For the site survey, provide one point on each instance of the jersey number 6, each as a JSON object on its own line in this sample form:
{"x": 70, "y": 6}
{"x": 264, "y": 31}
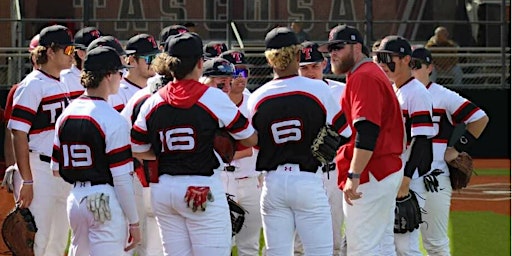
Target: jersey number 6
{"x": 284, "y": 131}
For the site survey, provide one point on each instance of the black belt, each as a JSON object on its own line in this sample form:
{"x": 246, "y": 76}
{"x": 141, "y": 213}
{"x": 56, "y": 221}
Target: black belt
{"x": 329, "y": 167}
{"x": 229, "y": 168}
{"x": 93, "y": 183}
{"x": 45, "y": 158}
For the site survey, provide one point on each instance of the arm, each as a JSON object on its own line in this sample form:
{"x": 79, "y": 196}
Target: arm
{"x": 20, "y": 142}
{"x": 147, "y": 155}
{"x": 243, "y": 153}
{"x": 251, "y": 140}
{"x": 473, "y": 132}
{"x": 8, "y": 148}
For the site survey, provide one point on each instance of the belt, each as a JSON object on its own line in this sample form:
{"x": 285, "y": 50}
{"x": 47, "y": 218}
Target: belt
{"x": 229, "y": 168}
{"x": 329, "y": 167}
{"x": 45, "y": 158}
{"x": 88, "y": 183}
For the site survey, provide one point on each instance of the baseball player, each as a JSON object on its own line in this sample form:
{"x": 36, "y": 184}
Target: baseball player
{"x": 369, "y": 165}
{"x": 151, "y": 239}
{"x": 71, "y": 77}
{"x": 394, "y": 56}
{"x": 38, "y": 102}
{"x": 312, "y": 64}
{"x": 218, "y": 73}
{"x": 91, "y": 150}
{"x": 293, "y": 196}
{"x": 449, "y": 108}
{"x": 144, "y": 50}
{"x": 214, "y": 49}
{"x": 10, "y": 161}
{"x": 246, "y": 180}
{"x": 176, "y": 126}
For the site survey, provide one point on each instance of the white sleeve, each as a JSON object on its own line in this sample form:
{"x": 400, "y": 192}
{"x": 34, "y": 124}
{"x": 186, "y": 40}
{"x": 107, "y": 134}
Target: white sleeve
{"x": 25, "y": 104}
{"x": 461, "y": 110}
{"x": 139, "y": 133}
{"x": 118, "y": 148}
{"x": 335, "y": 116}
{"x": 419, "y": 107}
{"x": 123, "y": 186}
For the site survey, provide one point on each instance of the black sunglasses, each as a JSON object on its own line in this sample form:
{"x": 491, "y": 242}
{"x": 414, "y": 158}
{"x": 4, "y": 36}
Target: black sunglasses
{"x": 385, "y": 57}
{"x": 336, "y": 47}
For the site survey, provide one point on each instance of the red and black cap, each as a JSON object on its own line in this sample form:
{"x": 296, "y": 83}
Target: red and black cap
{"x": 85, "y": 36}
{"x": 235, "y": 57}
{"x": 395, "y": 45}
{"x": 280, "y": 37}
{"x": 103, "y": 58}
{"x": 186, "y": 45}
{"x": 342, "y": 34}
{"x": 214, "y": 49}
{"x": 143, "y": 44}
{"x": 422, "y": 54}
{"x": 310, "y": 53}
{"x": 170, "y": 31}
{"x": 218, "y": 67}
{"x": 55, "y": 34}
{"x": 111, "y": 42}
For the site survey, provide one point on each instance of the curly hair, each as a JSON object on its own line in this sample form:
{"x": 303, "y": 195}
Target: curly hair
{"x": 92, "y": 79}
{"x": 281, "y": 58}
{"x": 40, "y": 53}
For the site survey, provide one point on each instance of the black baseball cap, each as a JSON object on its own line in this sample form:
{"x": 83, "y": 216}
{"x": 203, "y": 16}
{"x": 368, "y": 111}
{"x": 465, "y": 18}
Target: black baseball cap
{"x": 214, "y": 49}
{"x": 310, "y": 53}
{"x": 342, "y": 34}
{"x": 280, "y": 37}
{"x": 186, "y": 45}
{"x": 218, "y": 67}
{"x": 235, "y": 57}
{"x": 171, "y": 30}
{"x": 422, "y": 54}
{"x": 395, "y": 45}
{"x": 85, "y": 36}
{"x": 143, "y": 44}
{"x": 56, "y": 34}
{"x": 103, "y": 58}
{"x": 111, "y": 42}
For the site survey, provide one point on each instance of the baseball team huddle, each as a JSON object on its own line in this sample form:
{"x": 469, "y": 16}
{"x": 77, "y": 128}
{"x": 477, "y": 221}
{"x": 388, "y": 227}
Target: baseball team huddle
{"x": 118, "y": 144}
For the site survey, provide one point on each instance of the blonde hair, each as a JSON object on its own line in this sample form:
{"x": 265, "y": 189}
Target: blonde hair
{"x": 161, "y": 64}
{"x": 281, "y": 58}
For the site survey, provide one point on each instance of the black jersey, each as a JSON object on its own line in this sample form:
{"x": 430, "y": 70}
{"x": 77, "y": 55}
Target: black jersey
{"x": 288, "y": 114}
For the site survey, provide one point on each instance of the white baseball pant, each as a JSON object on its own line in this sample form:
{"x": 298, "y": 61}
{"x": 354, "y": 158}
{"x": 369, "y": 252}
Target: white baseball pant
{"x": 368, "y": 220}
{"x": 90, "y": 237}
{"x": 191, "y": 233}
{"x": 295, "y": 200}
{"x": 49, "y": 208}
{"x": 434, "y": 230}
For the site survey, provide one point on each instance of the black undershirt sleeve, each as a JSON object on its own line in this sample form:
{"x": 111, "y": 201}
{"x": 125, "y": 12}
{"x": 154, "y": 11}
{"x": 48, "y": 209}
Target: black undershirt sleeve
{"x": 421, "y": 156}
{"x": 367, "y": 134}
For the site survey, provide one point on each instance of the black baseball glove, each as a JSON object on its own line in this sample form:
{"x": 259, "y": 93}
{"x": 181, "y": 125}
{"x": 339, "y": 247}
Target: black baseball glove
{"x": 19, "y": 230}
{"x": 237, "y": 213}
{"x": 407, "y": 214}
{"x": 326, "y": 144}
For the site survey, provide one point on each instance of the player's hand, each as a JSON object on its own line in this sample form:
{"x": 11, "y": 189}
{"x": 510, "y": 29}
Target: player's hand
{"x": 404, "y": 188}
{"x": 26, "y": 195}
{"x": 450, "y": 154}
{"x": 135, "y": 237}
{"x": 350, "y": 190}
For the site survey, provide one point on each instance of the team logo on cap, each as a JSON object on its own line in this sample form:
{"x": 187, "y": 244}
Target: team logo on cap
{"x": 353, "y": 37}
{"x": 331, "y": 34}
{"x": 218, "y": 48}
{"x": 152, "y": 41}
{"x": 307, "y": 52}
{"x": 95, "y": 33}
{"x": 181, "y": 31}
{"x": 237, "y": 57}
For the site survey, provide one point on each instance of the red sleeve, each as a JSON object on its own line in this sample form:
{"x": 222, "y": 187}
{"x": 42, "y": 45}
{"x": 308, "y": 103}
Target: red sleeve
{"x": 8, "y": 103}
{"x": 366, "y": 99}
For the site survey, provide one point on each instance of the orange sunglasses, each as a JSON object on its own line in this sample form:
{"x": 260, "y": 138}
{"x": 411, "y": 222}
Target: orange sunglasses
{"x": 69, "y": 50}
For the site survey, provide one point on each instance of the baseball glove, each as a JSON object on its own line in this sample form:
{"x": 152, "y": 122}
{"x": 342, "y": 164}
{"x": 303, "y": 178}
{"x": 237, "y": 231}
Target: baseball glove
{"x": 224, "y": 145}
{"x": 18, "y": 231}
{"x": 326, "y": 144}
{"x": 407, "y": 214}
{"x": 237, "y": 213}
{"x": 461, "y": 169}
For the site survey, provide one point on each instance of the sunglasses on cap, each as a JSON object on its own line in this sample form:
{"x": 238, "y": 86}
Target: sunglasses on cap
{"x": 148, "y": 58}
{"x": 68, "y": 50}
{"x": 241, "y": 72}
{"x": 385, "y": 57}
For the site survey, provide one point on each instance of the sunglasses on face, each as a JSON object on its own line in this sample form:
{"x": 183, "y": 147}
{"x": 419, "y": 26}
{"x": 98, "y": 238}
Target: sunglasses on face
{"x": 148, "y": 58}
{"x": 336, "y": 47}
{"x": 68, "y": 50}
{"x": 241, "y": 72}
{"x": 384, "y": 57}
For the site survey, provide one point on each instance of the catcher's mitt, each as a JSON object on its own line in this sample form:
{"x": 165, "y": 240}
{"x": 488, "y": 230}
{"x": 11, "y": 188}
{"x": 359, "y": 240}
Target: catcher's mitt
{"x": 326, "y": 144}
{"x": 407, "y": 214}
{"x": 224, "y": 145}
{"x": 19, "y": 230}
{"x": 461, "y": 169}
{"x": 237, "y": 213}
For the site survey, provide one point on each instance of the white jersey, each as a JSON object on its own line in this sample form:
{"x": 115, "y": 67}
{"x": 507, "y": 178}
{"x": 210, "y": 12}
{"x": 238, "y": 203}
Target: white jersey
{"x": 127, "y": 112}
{"x": 38, "y": 102}
{"x": 416, "y": 104}
{"x": 245, "y": 167}
{"x": 449, "y": 109}
{"x": 71, "y": 78}
{"x": 126, "y": 90}
{"x": 337, "y": 89}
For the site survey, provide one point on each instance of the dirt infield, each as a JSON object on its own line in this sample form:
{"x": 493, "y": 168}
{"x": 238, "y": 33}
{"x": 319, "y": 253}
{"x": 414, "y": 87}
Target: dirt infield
{"x": 484, "y": 193}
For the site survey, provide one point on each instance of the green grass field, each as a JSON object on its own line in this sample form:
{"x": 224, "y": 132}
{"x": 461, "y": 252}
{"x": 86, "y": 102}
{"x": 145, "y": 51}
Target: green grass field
{"x": 476, "y": 233}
